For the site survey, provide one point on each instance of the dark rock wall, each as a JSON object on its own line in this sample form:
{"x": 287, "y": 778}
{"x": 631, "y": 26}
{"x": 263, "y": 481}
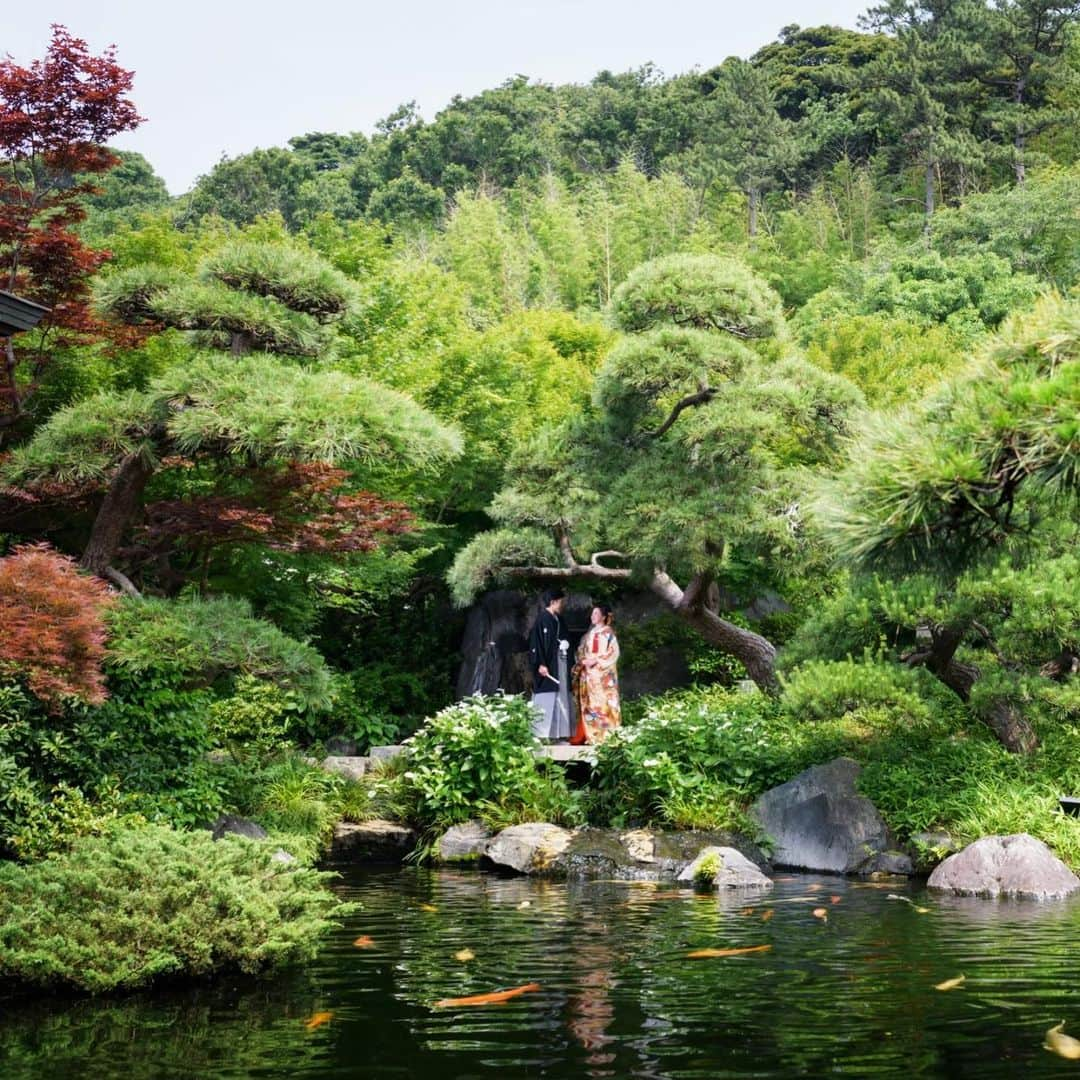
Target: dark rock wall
{"x": 494, "y": 645}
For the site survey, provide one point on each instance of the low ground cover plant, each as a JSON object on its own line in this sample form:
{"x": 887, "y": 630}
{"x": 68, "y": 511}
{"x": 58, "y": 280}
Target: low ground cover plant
{"x": 138, "y": 905}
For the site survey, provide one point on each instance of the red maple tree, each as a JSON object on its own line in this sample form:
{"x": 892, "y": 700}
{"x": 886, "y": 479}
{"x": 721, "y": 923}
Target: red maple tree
{"x": 301, "y": 507}
{"x": 55, "y": 116}
{"x": 52, "y": 628}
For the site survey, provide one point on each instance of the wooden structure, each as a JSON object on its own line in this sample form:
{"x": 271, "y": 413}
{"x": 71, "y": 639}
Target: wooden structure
{"x": 17, "y": 314}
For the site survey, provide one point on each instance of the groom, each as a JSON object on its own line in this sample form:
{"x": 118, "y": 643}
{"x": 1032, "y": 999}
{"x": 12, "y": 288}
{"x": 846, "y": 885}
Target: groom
{"x": 548, "y": 648}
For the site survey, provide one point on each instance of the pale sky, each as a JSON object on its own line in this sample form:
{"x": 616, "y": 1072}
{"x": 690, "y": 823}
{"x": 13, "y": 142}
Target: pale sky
{"x": 227, "y": 76}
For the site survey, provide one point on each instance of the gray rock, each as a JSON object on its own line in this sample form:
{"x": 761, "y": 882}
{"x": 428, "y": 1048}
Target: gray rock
{"x": 640, "y": 854}
{"x": 818, "y": 821}
{"x": 493, "y": 646}
{"x": 734, "y": 870}
{"x": 384, "y": 753}
{"x": 374, "y": 841}
{"x": 341, "y": 746}
{"x": 529, "y": 849}
{"x": 350, "y": 767}
{"x": 937, "y": 838}
{"x": 1010, "y": 866}
{"x": 461, "y": 843}
{"x": 237, "y": 826}
{"x": 896, "y": 863}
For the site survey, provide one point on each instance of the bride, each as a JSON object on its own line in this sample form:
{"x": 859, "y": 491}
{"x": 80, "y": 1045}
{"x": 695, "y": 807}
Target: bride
{"x": 596, "y": 682}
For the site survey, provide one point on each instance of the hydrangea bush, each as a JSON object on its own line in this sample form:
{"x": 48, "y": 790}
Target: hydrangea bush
{"x": 478, "y": 750}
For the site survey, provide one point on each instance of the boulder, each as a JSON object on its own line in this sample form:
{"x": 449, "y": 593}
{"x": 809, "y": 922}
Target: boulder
{"x": 462, "y": 843}
{"x": 237, "y": 826}
{"x": 384, "y": 753}
{"x": 493, "y": 646}
{"x": 341, "y": 746}
{"x": 529, "y": 849}
{"x": 890, "y": 864}
{"x": 352, "y": 768}
{"x": 375, "y": 840}
{"x": 733, "y": 870}
{"x": 818, "y": 821}
{"x": 1011, "y": 866}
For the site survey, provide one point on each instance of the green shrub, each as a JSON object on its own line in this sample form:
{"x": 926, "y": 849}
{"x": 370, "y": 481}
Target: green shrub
{"x": 121, "y": 911}
{"x": 75, "y": 772}
{"x": 208, "y": 641}
{"x": 53, "y": 820}
{"x": 829, "y": 689}
{"x": 969, "y": 785}
{"x": 693, "y": 758}
{"x": 480, "y": 749}
{"x": 370, "y": 703}
{"x": 299, "y": 798}
{"x": 254, "y": 718}
{"x": 543, "y": 796}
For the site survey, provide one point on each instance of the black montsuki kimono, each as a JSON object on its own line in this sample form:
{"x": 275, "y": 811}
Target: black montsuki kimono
{"x": 551, "y": 692}
{"x": 544, "y": 638}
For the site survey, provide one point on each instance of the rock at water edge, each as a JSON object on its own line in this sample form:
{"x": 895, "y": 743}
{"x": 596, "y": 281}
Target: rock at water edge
{"x": 734, "y": 870}
{"x": 1011, "y": 866}
{"x": 463, "y": 842}
{"x": 375, "y": 840}
{"x": 818, "y": 821}
{"x": 528, "y": 849}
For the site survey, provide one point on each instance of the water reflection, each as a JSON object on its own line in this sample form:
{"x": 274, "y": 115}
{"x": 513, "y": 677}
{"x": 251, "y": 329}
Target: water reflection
{"x": 850, "y": 996}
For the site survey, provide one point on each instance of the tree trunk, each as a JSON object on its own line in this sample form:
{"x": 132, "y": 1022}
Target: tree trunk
{"x": 8, "y": 387}
{"x": 1020, "y": 138}
{"x": 757, "y": 654}
{"x": 928, "y": 198}
{"x": 118, "y": 508}
{"x": 752, "y": 196}
{"x": 1006, "y": 721}
{"x": 1003, "y": 717}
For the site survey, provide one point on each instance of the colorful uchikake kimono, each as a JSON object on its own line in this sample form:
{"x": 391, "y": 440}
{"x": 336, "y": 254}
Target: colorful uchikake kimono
{"x": 596, "y": 688}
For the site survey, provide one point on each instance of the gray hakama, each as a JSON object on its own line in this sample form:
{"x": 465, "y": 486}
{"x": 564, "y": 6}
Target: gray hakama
{"x": 552, "y": 706}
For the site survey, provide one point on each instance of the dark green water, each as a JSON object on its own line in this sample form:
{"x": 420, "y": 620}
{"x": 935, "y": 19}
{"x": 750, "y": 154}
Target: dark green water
{"x": 852, "y": 996}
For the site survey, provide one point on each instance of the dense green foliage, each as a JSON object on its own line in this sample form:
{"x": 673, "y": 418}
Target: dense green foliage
{"x": 145, "y": 904}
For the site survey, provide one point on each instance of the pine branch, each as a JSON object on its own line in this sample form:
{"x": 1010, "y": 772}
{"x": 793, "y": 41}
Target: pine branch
{"x": 702, "y": 397}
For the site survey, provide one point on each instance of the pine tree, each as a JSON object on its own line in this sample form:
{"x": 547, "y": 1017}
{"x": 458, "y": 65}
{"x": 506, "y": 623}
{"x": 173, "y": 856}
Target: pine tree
{"x": 926, "y": 91}
{"x": 250, "y": 397}
{"x": 681, "y": 469}
{"x": 1028, "y": 40}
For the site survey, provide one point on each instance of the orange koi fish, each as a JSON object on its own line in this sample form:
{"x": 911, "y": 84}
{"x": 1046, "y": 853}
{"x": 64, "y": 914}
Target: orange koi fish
{"x": 318, "y": 1020}
{"x": 364, "y": 942}
{"x": 495, "y": 998}
{"x": 767, "y": 914}
{"x": 705, "y": 954}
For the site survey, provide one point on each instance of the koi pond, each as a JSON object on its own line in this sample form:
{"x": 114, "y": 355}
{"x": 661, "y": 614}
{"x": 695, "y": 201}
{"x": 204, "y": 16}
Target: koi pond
{"x": 820, "y": 976}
